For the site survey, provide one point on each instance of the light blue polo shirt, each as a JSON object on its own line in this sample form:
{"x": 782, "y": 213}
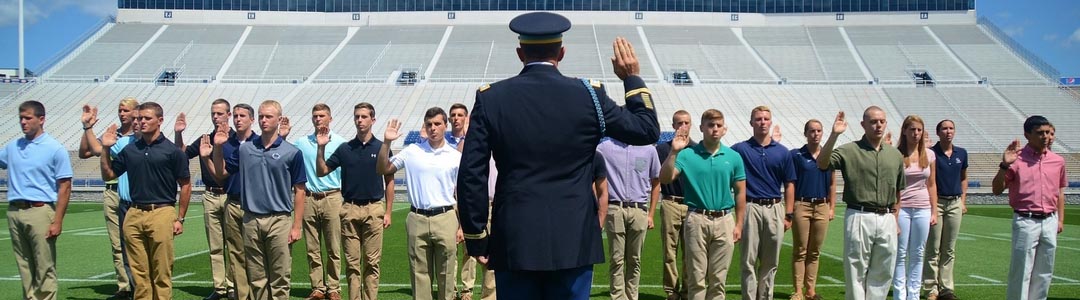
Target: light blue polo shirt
{"x": 123, "y": 186}
{"x": 310, "y": 148}
{"x": 34, "y": 167}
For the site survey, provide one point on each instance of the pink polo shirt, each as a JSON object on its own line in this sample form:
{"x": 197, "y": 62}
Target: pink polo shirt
{"x": 1035, "y": 181}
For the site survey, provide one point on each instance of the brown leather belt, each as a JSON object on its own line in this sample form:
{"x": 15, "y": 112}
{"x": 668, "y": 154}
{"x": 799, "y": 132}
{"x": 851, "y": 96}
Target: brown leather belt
{"x": 321, "y": 195}
{"x": 24, "y": 204}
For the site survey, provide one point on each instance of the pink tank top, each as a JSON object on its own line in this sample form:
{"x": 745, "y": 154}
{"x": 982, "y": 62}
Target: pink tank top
{"x": 915, "y": 194}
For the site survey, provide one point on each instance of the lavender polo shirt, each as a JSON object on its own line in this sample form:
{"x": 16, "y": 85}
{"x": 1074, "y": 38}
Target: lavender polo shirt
{"x": 630, "y": 170}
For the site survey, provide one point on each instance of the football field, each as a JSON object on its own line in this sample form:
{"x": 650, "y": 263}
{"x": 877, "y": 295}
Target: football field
{"x": 85, "y": 270}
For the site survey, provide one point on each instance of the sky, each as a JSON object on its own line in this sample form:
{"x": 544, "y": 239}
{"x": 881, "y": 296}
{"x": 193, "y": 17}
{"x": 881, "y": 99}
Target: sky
{"x": 1048, "y": 28}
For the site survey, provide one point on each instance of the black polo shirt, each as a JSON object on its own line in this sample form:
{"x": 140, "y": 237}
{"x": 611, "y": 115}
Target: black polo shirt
{"x": 359, "y": 179}
{"x": 152, "y": 169}
{"x": 192, "y": 151}
{"x": 673, "y": 188}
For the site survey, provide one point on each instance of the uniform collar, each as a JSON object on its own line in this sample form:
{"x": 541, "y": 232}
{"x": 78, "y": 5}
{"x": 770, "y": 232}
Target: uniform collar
{"x": 540, "y": 67}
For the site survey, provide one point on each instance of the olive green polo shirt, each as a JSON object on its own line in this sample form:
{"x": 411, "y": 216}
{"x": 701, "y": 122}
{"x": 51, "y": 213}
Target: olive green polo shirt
{"x": 871, "y": 177}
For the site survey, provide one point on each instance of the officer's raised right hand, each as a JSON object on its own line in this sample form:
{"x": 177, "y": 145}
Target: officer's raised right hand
{"x": 392, "y": 132}
{"x": 625, "y": 61}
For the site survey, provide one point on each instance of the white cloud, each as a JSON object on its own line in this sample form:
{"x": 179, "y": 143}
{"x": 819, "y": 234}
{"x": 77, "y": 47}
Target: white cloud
{"x": 1014, "y": 31}
{"x": 1050, "y": 37}
{"x": 1075, "y": 37}
{"x": 37, "y": 10}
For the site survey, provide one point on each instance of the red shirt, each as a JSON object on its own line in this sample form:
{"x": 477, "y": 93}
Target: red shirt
{"x": 1035, "y": 181}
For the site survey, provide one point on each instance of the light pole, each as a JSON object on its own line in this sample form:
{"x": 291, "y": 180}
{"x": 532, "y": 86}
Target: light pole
{"x": 22, "y": 64}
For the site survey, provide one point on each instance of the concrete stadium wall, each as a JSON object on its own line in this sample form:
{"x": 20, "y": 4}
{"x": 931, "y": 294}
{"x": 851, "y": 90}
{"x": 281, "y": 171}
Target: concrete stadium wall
{"x": 578, "y": 17}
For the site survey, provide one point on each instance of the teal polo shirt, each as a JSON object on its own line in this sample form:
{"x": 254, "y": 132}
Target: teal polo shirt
{"x": 310, "y": 149}
{"x": 707, "y": 179}
{"x": 34, "y": 167}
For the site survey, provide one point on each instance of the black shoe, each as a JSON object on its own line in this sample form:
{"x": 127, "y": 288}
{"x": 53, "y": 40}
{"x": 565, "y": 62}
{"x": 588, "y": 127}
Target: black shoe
{"x": 121, "y": 295}
{"x": 215, "y": 296}
{"x": 232, "y": 294}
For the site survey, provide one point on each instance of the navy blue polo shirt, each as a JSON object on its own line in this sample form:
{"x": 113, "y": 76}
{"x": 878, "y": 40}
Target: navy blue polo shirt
{"x": 359, "y": 179}
{"x": 949, "y": 170}
{"x": 192, "y": 151}
{"x": 674, "y": 188}
{"x": 232, "y": 183}
{"x": 767, "y": 168}
{"x": 811, "y": 182}
{"x": 152, "y": 169}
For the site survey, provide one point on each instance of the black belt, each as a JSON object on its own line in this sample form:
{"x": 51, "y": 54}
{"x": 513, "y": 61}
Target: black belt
{"x": 876, "y": 210}
{"x": 676, "y": 199}
{"x": 1034, "y": 214}
{"x": 812, "y": 200}
{"x": 764, "y": 201}
{"x": 627, "y": 204}
{"x": 112, "y": 186}
{"x": 362, "y": 202}
{"x": 709, "y": 213}
{"x": 320, "y": 195}
{"x": 215, "y": 190}
{"x": 432, "y": 212}
{"x": 234, "y": 199}
{"x": 149, "y": 207}
{"x": 947, "y": 198}
{"x": 24, "y": 204}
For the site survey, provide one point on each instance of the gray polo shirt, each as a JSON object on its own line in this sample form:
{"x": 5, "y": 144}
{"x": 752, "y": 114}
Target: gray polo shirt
{"x": 267, "y": 175}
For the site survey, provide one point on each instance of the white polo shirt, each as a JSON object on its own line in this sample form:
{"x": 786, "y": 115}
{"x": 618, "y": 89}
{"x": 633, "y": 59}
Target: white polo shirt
{"x": 430, "y": 174}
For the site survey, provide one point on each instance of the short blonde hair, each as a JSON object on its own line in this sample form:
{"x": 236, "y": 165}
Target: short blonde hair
{"x": 711, "y": 114}
{"x": 129, "y": 102}
{"x": 272, "y": 103}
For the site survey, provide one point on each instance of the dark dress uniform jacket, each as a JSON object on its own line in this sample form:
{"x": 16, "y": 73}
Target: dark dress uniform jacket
{"x": 542, "y": 129}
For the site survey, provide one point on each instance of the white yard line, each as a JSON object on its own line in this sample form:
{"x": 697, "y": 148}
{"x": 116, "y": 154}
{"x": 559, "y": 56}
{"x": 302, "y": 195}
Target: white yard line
{"x": 1070, "y": 280}
{"x": 985, "y": 278}
{"x": 182, "y": 275}
{"x": 831, "y": 279}
{"x": 102, "y": 275}
{"x": 822, "y": 253}
{"x": 1009, "y": 240}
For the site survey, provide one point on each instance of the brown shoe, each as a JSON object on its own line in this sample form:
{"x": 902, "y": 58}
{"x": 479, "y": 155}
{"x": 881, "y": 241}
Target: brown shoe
{"x": 317, "y": 295}
{"x": 931, "y": 296}
{"x": 464, "y": 295}
{"x": 334, "y": 296}
{"x": 796, "y": 296}
{"x": 814, "y": 297}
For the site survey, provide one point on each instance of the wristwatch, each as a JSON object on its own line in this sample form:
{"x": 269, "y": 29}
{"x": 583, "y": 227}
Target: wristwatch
{"x": 789, "y": 216}
{"x": 181, "y": 220}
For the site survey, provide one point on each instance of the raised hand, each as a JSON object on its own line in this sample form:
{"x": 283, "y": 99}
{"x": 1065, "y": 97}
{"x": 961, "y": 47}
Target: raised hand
{"x": 776, "y": 135}
{"x": 181, "y": 123}
{"x": 108, "y": 139}
{"x": 392, "y": 132}
{"x": 1012, "y": 152}
{"x": 839, "y": 125}
{"x": 221, "y": 136}
{"x": 681, "y": 140}
{"x": 205, "y": 147}
{"x": 89, "y": 116}
{"x": 624, "y": 62}
{"x": 322, "y": 136}
{"x": 285, "y": 127}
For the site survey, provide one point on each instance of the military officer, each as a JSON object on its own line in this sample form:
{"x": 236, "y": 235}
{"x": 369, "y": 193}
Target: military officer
{"x": 544, "y": 239}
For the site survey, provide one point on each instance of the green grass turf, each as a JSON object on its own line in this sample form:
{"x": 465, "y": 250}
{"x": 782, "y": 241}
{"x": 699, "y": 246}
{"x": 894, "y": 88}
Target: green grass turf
{"x": 85, "y": 269}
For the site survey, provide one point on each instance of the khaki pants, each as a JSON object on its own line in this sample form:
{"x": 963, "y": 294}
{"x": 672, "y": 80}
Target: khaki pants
{"x": 362, "y": 231}
{"x": 214, "y": 213}
{"x": 762, "y": 237}
{"x": 432, "y": 251}
{"x": 708, "y": 245}
{"x": 111, "y": 203}
{"x": 468, "y": 273}
{"x": 322, "y": 224}
{"x": 870, "y": 242}
{"x": 1031, "y": 265}
{"x": 269, "y": 255}
{"x": 672, "y": 215}
{"x": 809, "y": 226}
{"x": 34, "y": 254}
{"x": 148, "y": 236}
{"x": 234, "y": 241}
{"x": 941, "y": 247}
{"x": 626, "y": 228}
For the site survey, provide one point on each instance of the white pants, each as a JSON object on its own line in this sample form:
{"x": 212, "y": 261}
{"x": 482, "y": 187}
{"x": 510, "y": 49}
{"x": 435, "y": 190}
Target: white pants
{"x": 869, "y": 254}
{"x": 1032, "y": 267}
{"x": 914, "y": 229}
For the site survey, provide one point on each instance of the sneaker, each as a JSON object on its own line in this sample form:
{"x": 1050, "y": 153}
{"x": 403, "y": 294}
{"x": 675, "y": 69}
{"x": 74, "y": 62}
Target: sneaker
{"x": 215, "y": 296}
{"x": 316, "y": 295}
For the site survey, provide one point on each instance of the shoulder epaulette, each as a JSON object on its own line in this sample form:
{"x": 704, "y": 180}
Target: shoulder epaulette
{"x": 595, "y": 83}
{"x": 483, "y": 88}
